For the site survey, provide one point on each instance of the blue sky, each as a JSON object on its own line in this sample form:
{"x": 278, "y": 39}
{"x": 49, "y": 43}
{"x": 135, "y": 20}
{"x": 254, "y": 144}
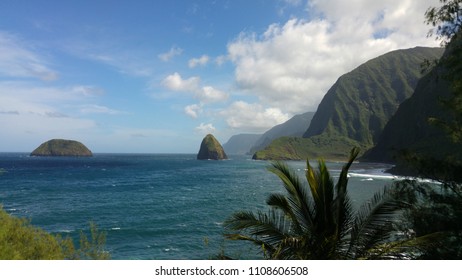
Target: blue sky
{"x": 157, "y": 76}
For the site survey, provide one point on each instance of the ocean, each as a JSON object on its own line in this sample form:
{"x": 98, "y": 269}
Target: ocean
{"x": 153, "y": 206}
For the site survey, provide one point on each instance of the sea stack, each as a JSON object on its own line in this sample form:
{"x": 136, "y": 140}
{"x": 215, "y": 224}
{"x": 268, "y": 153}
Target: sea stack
{"x": 62, "y": 148}
{"x": 211, "y": 149}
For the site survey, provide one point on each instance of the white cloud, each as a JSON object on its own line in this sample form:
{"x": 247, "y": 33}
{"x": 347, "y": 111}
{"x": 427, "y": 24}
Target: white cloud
{"x": 174, "y": 51}
{"x": 209, "y": 94}
{"x": 18, "y": 61}
{"x": 205, "y": 128}
{"x": 252, "y": 117}
{"x": 201, "y": 61}
{"x": 205, "y": 94}
{"x": 291, "y": 66}
{"x": 193, "y": 110}
{"x": 175, "y": 82}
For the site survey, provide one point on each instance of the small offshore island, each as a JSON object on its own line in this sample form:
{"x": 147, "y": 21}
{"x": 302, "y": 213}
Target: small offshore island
{"x": 62, "y": 148}
{"x": 211, "y": 149}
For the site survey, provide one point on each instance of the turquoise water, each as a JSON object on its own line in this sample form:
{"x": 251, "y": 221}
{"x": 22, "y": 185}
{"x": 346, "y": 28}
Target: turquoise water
{"x": 152, "y": 206}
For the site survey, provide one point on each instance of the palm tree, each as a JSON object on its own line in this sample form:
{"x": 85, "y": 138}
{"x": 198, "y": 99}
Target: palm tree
{"x": 318, "y": 222}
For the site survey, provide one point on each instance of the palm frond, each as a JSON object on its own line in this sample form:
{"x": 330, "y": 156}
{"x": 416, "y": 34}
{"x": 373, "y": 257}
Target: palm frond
{"x": 342, "y": 203}
{"x": 325, "y": 198}
{"x": 317, "y": 221}
{"x": 319, "y": 186}
{"x": 412, "y": 248}
{"x": 269, "y": 228}
{"x": 280, "y": 202}
{"x": 298, "y": 198}
{"x": 374, "y": 221}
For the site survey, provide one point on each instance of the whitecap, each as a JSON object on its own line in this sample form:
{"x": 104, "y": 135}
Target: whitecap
{"x": 368, "y": 179}
{"x": 385, "y": 176}
{"x": 171, "y": 249}
{"x": 65, "y": 230}
{"x": 370, "y": 176}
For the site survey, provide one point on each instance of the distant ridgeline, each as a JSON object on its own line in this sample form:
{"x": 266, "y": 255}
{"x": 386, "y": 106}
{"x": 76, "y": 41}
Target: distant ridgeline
{"x": 250, "y": 143}
{"x": 62, "y": 147}
{"x": 356, "y": 108}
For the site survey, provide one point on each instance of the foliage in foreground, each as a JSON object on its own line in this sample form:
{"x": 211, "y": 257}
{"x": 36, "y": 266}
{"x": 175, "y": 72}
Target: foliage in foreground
{"x": 437, "y": 209}
{"x": 318, "y": 221}
{"x": 19, "y": 240}
{"x": 436, "y": 213}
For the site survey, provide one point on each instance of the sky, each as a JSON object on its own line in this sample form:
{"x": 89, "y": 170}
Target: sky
{"x": 157, "y": 76}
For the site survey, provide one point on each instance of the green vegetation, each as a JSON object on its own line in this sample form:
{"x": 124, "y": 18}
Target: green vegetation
{"x": 435, "y": 213}
{"x": 19, "y": 240}
{"x": 211, "y": 149}
{"x": 61, "y": 147}
{"x": 436, "y": 210}
{"x": 295, "y": 127}
{"x": 448, "y": 22}
{"x": 410, "y": 130}
{"x": 357, "y": 107}
{"x": 318, "y": 222}
{"x": 424, "y": 136}
{"x": 297, "y": 148}
{"x": 361, "y": 102}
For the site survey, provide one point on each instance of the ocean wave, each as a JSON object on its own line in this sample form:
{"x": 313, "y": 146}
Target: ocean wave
{"x": 376, "y": 176}
{"x": 171, "y": 249}
{"x": 65, "y": 230}
{"x": 390, "y": 177}
{"x": 368, "y": 179}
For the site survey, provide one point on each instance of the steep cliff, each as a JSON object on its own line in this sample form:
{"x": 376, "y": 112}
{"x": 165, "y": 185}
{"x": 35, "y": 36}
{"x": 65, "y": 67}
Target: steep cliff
{"x": 211, "y": 149}
{"x": 357, "y": 107}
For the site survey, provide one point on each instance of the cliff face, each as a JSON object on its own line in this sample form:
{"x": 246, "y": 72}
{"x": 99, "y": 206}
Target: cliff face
{"x": 357, "y": 107}
{"x": 409, "y": 131}
{"x": 62, "y": 147}
{"x": 211, "y": 149}
{"x": 296, "y": 126}
{"x": 360, "y": 103}
{"x": 240, "y": 144}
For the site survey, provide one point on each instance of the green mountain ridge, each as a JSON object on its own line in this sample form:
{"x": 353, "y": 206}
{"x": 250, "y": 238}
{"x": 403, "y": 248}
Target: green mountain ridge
{"x": 297, "y": 148}
{"x": 357, "y": 107}
{"x": 242, "y": 144}
{"x": 409, "y": 131}
{"x": 296, "y": 126}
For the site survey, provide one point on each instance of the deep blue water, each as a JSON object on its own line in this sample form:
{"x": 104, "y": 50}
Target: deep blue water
{"x": 152, "y": 206}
